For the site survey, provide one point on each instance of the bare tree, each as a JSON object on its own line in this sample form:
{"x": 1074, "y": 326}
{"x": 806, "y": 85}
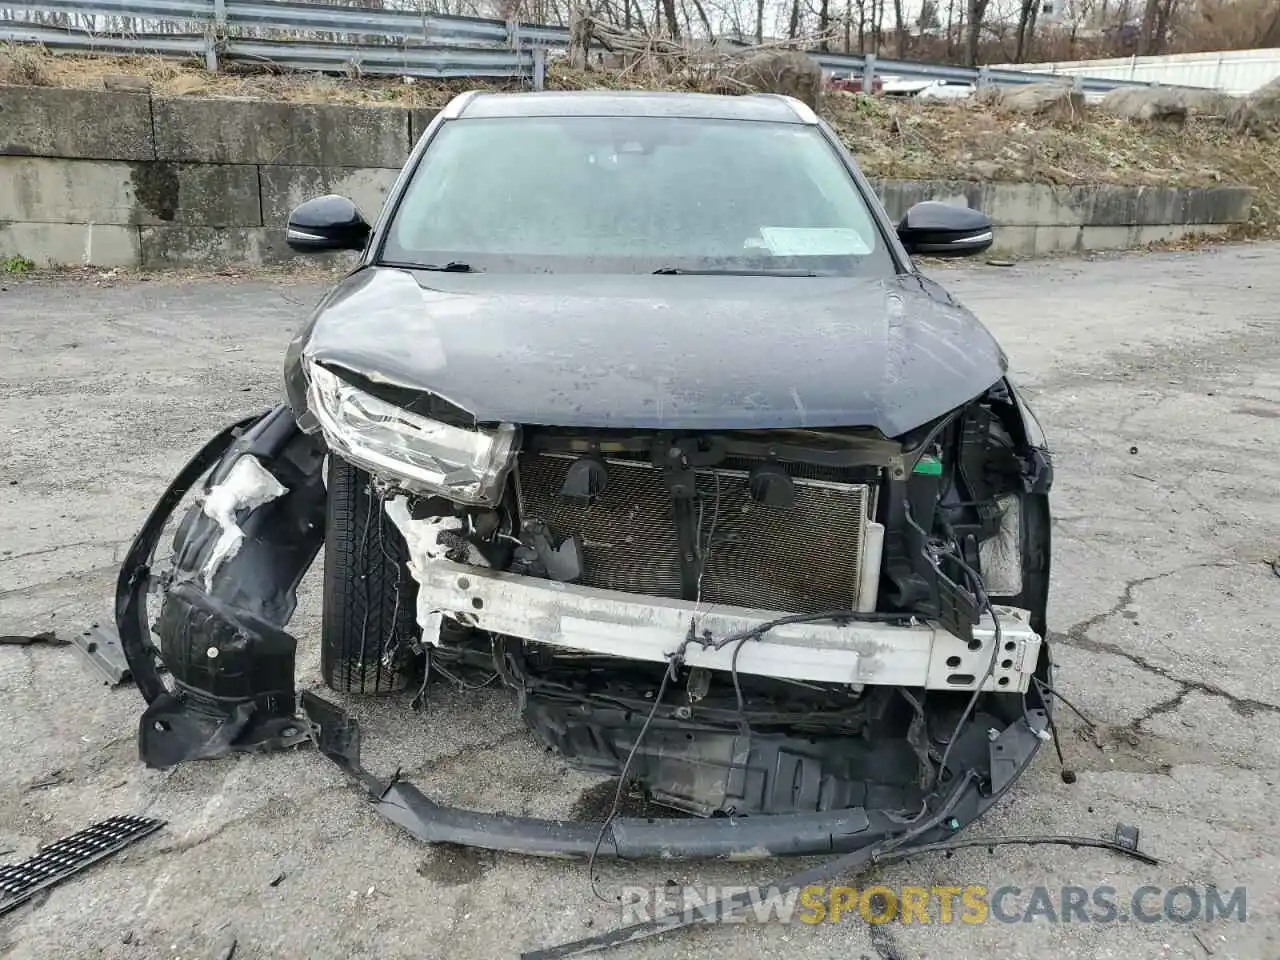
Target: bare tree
{"x": 1157, "y": 18}
{"x": 703, "y": 18}
{"x": 1026, "y": 30}
{"x": 899, "y": 29}
{"x": 673, "y": 25}
{"x": 862, "y": 25}
{"x": 977, "y": 11}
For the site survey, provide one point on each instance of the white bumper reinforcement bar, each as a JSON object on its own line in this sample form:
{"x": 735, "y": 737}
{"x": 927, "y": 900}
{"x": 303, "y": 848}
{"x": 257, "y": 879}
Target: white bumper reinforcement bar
{"x": 617, "y": 624}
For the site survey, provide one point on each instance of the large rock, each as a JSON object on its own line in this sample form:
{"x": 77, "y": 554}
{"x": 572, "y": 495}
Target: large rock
{"x": 1055, "y": 100}
{"x": 1204, "y": 102}
{"x": 1259, "y": 112}
{"x": 788, "y": 72}
{"x": 1167, "y": 104}
{"x": 1137, "y": 103}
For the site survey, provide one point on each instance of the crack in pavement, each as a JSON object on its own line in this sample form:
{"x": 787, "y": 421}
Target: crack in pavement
{"x": 44, "y": 551}
{"x": 1077, "y": 636}
{"x": 70, "y": 575}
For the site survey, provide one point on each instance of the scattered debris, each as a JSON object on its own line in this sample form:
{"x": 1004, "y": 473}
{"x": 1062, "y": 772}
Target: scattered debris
{"x": 54, "y": 779}
{"x": 228, "y": 951}
{"x": 20, "y": 882}
{"x": 276, "y": 880}
{"x": 847, "y": 867}
{"x": 47, "y": 637}
{"x": 1127, "y": 836}
{"x": 101, "y": 647}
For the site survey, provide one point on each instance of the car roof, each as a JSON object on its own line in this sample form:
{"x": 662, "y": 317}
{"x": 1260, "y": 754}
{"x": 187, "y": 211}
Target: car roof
{"x": 631, "y": 103}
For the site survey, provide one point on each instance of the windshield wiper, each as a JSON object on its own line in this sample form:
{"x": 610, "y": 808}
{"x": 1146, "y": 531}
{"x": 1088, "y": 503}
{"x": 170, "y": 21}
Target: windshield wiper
{"x": 680, "y": 271}
{"x": 453, "y": 266}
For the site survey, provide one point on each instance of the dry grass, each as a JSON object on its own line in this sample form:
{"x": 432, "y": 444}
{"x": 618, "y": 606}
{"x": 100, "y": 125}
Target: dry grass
{"x": 23, "y": 66}
{"x": 171, "y": 77}
{"x": 976, "y": 141}
{"x": 968, "y": 140}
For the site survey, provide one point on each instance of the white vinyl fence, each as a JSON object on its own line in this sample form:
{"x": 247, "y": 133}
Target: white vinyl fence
{"x": 1231, "y": 71}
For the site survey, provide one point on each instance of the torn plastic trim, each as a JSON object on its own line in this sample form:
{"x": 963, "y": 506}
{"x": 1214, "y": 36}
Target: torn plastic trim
{"x": 221, "y": 623}
{"x": 338, "y": 737}
{"x": 610, "y": 623}
{"x": 248, "y": 486}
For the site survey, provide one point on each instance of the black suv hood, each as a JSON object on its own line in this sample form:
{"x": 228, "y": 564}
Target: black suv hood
{"x": 660, "y": 352}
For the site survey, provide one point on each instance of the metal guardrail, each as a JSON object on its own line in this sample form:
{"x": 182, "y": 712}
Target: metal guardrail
{"x": 60, "y": 39}
{"x": 311, "y": 36}
{"x": 869, "y": 67}
{"x": 297, "y": 35}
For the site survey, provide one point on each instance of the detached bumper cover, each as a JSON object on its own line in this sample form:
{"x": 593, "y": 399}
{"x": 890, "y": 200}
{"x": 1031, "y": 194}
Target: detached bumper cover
{"x": 733, "y": 838}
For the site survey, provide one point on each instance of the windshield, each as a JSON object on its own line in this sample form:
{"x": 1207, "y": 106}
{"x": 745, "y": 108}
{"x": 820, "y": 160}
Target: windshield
{"x": 635, "y": 195}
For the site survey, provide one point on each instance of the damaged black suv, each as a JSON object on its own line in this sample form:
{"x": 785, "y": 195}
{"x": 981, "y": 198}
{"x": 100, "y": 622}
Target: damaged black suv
{"x": 638, "y": 404}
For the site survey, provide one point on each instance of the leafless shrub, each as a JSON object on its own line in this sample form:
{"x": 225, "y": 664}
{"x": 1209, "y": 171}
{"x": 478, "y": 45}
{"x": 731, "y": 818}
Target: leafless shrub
{"x": 23, "y": 66}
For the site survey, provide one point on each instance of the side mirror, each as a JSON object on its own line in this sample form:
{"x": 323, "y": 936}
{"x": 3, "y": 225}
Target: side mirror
{"x": 326, "y": 223}
{"x": 937, "y": 229}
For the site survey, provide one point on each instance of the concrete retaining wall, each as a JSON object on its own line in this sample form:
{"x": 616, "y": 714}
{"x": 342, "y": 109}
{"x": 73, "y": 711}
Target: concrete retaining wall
{"x": 125, "y": 179}
{"x": 1035, "y": 219}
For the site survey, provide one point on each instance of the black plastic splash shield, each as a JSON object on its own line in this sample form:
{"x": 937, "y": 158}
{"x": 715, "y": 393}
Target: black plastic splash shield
{"x": 242, "y": 699}
{"x": 337, "y": 736}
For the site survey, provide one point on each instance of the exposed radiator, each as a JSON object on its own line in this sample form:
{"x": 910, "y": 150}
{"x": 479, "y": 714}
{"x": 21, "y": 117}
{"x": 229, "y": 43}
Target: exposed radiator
{"x": 800, "y": 560}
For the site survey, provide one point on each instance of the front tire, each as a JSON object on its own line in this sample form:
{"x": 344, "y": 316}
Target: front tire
{"x": 369, "y": 596}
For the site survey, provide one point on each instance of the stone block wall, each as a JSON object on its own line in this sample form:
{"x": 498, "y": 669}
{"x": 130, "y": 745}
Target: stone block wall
{"x": 127, "y": 179}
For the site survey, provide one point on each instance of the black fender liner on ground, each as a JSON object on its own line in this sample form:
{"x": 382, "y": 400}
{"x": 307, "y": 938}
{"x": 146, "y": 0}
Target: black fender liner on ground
{"x": 241, "y": 697}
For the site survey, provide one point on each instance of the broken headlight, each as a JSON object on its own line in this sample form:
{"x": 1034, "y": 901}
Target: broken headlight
{"x": 468, "y": 466}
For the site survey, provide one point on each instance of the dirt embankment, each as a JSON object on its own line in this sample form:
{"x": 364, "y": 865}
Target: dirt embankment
{"x": 979, "y": 139}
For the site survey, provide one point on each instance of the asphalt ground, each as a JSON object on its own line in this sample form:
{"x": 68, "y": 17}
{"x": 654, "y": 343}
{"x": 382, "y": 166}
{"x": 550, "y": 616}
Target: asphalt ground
{"x": 1157, "y": 378}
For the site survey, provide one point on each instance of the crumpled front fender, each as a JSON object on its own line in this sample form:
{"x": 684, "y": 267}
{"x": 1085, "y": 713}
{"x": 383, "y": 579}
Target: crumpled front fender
{"x": 238, "y": 556}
